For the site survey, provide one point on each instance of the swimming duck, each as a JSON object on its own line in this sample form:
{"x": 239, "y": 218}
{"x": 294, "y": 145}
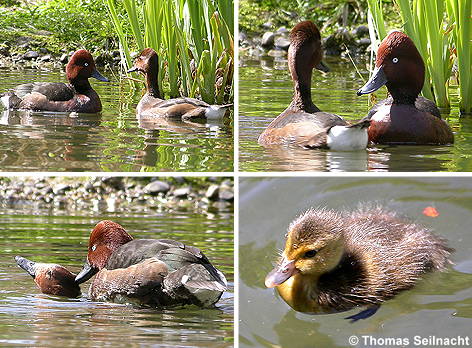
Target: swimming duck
{"x": 153, "y": 272}
{"x": 403, "y": 118}
{"x": 50, "y": 278}
{"x": 77, "y": 96}
{"x": 152, "y": 103}
{"x": 337, "y": 261}
{"x": 302, "y": 123}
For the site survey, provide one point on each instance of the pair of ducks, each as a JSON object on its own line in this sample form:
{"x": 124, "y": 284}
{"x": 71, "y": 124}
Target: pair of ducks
{"x": 402, "y": 118}
{"x": 152, "y": 272}
{"x": 79, "y": 96}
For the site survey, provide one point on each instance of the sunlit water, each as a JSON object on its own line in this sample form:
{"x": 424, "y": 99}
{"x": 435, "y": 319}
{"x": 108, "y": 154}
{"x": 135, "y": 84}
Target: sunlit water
{"x": 265, "y": 90}
{"x": 31, "y": 319}
{"x": 114, "y": 140}
{"x": 439, "y": 306}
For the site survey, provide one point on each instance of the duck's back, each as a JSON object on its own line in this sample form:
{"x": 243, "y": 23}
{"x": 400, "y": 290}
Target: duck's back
{"x": 55, "y": 91}
{"x": 298, "y": 127}
{"x": 384, "y": 255}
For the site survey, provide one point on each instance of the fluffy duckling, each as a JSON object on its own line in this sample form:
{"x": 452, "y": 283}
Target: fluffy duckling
{"x": 335, "y": 261}
{"x": 153, "y": 105}
{"x": 302, "y": 123}
{"x": 50, "y": 278}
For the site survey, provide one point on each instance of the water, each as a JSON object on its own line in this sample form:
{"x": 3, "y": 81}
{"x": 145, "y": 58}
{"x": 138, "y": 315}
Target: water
{"x": 265, "y": 90}
{"x": 111, "y": 141}
{"x": 440, "y": 306}
{"x": 31, "y": 319}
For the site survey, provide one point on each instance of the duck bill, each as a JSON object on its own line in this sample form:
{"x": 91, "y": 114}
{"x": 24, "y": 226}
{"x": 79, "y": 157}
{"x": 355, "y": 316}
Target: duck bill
{"x": 27, "y": 265}
{"x": 377, "y": 80}
{"x": 283, "y": 271}
{"x": 86, "y": 273}
{"x": 98, "y": 76}
{"x": 321, "y": 66}
{"x": 133, "y": 69}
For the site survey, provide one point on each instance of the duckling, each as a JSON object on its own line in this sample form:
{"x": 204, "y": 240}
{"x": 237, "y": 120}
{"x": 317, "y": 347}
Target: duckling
{"x": 303, "y": 123}
{"x": 335, "y": 261}
{"x": 152, "y": 103}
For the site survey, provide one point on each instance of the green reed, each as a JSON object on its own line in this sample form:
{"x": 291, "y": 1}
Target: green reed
{"x": 426, "y": 23}
{"x": 194, "y": 41}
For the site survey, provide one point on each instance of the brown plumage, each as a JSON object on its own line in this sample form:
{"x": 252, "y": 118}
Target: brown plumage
{"x": 302, "y": 123}
{"x": 153, "y": 106}
{"x": 403, "y": 118}
{"x": 336, "y": 261}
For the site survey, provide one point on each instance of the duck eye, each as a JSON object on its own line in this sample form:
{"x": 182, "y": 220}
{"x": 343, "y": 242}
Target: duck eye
{"x": 395, "y": 60}
{"x": 310, "y": 254}
{"x": 85, "y": 64}
{"x": 94, "y": 247}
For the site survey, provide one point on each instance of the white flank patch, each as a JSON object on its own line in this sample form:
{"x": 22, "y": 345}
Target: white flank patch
{"x": 184, "y": 279}
{"x": 341, "y": 138}
{"x": 214, "y": 112}
{"x": 6, "y": 101}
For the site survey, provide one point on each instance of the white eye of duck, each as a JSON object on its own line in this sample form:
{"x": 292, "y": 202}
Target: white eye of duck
{"x": 94, "y": 247}
{"x": 85, "y": 64}
{"x": 395, "y": 60}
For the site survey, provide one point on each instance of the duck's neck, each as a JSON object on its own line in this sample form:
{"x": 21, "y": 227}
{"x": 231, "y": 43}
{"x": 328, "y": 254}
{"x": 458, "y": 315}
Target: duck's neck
{"x": 152, "y": 87}
{"x": 402, "y": 97}
{"x": 81, "y": 86}
{"x": 302, "y": 96}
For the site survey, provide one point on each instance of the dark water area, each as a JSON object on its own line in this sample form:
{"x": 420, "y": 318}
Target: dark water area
{"x": 31, "y": 319}
{"x": 265, "y": 90}
{"x": 114, "y": 140}
{"x": 439, "y": 306}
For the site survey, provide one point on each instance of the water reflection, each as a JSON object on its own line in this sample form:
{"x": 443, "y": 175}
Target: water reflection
{"x": 106, "y": 141}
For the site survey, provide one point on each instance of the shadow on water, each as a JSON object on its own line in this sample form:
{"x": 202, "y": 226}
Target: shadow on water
{"x": 440, "y": 305}
{"x": 114, "y": 140}
{"x": 265, "y": 90}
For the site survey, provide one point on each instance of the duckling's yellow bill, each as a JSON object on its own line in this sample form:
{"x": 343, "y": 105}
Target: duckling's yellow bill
{"x": 283, "y": 271}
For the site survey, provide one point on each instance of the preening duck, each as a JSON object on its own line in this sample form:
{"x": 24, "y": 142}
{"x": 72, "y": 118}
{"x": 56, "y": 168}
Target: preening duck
{"x": 154, "y": 272}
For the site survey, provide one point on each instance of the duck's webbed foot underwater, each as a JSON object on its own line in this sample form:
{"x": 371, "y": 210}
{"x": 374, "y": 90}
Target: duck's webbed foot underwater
{"x": 366, "y": 313}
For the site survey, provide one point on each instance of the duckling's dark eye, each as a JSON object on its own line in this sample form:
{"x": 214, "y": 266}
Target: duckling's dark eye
{"x": 85, "y": 64}
{"x": 309, "y": 254}
{"x": 395, "y": 60}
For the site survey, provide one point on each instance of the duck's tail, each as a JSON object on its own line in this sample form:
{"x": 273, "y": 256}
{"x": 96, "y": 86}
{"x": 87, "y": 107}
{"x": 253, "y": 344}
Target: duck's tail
{"x": 10, "y": 100}
{"x": 360, "y": 124}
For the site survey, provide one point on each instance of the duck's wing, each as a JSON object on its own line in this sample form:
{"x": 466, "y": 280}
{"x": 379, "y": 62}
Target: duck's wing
{"x": 53, "y": 91}
{"x": 138, "y": 250}
{"x": 299, "y": 128}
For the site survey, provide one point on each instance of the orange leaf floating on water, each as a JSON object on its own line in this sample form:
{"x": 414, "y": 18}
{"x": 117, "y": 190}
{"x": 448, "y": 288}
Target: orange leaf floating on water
{"x": 431, "y": 212}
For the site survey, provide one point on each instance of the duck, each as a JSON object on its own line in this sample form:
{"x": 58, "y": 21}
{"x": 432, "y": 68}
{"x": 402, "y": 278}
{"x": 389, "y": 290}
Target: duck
{"x": 336, "y": 261}
{"x": 303, "y": 123}
{"x": 152, "y": 104}
{"x": 76, "y": 96}
{"x": 148, "y": 272}
{"x": 52, "y": 279}
{"x": 404, "y": 117}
